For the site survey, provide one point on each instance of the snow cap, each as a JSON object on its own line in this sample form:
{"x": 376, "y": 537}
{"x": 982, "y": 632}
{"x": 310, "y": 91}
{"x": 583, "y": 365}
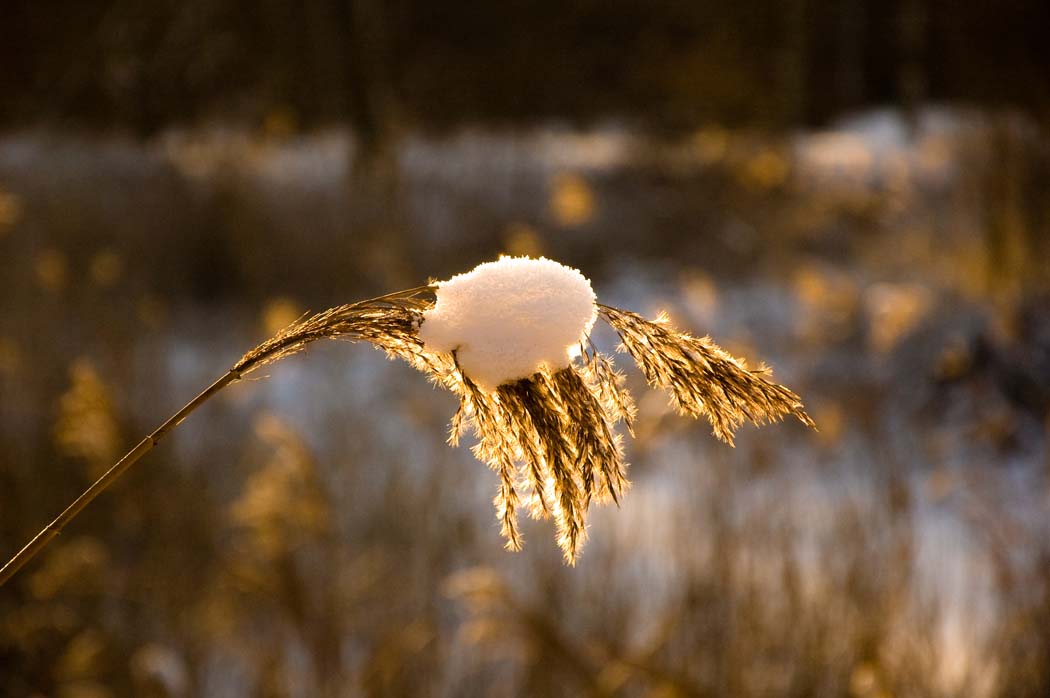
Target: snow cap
{"x": 507, "y": 319}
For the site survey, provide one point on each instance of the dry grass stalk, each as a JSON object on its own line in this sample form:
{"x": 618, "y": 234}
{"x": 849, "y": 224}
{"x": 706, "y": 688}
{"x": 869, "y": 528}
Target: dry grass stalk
{"x": 551, "y": 435}
{"x": 388, "y": 321}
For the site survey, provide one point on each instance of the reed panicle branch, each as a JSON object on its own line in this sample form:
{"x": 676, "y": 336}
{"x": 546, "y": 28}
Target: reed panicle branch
{"x": 703, "y": 380}
{"x": 389, "y": 322}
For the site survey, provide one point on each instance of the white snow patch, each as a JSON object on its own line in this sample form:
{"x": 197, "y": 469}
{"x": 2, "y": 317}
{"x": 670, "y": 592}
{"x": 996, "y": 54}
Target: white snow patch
{"x": 507, "y": 319}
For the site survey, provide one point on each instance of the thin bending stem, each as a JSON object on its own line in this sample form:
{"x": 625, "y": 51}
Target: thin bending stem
{"x": 387, "y": 321}
{"x": 50, "y": 531}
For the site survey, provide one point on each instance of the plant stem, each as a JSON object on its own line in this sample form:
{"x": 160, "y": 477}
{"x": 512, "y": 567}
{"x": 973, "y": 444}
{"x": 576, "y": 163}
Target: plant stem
{"x": 387, "y": 321}
{"x": 50, "y": 531}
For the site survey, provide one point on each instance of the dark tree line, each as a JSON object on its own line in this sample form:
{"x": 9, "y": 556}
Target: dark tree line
{"x": 382, "y": 64}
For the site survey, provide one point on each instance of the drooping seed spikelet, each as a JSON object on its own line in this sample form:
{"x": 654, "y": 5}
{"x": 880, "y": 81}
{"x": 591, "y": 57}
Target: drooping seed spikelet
{"x": 607, "y": 383}
{"x": 496, "y": 446}
{"x": 534, "y": 410}
{"x": 703, "y": 379}
{"x": 599, "y": 453}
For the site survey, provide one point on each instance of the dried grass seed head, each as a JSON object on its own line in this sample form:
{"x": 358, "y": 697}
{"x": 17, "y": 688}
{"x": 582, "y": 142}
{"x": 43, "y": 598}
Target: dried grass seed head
{"x": 511, "y": 340}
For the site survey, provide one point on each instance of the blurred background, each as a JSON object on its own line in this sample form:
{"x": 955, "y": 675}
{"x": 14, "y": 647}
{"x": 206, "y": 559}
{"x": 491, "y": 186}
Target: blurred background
{"x": 855, "y": 192}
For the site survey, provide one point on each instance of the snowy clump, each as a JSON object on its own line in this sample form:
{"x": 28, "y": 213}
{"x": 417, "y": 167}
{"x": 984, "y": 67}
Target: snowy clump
{"x": 505, "y": 320}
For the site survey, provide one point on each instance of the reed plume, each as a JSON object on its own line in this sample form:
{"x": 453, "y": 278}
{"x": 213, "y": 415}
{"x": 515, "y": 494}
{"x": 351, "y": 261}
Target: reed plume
{"x": 550, "y": 436}
{"x": 703, "y": 380}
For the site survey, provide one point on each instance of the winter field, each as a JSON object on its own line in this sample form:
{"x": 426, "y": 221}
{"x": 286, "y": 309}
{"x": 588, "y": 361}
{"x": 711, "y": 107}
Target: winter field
{"x": 310, "y": 533}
